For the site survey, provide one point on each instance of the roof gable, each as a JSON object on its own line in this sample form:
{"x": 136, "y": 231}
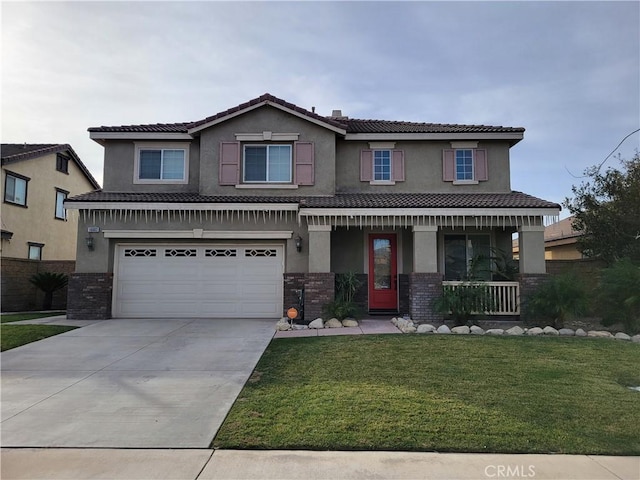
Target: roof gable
{"x": 262, "y": 101}
{"x": 19, "y": 152}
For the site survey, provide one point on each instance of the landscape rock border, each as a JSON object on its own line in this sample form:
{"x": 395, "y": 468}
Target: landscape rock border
{"x": 284, "y": 324}
{"x": 406, "y": 325}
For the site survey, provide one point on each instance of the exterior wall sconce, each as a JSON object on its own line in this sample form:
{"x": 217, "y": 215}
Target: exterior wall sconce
{"x": 89, "y": 242}
{"x": 298, "y": 241}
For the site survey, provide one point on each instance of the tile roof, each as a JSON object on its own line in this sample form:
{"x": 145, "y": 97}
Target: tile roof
{"x": 340, "y": 200}
{"x": 351, "y": 125}
{"x": 267, "y": 97}
{"x": 355, "y": 125}
{"x": 127, "y": 197}
{"x": 17, "y": 152}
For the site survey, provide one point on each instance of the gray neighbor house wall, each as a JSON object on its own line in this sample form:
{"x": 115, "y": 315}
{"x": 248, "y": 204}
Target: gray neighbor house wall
{"x": 331, "y": 243}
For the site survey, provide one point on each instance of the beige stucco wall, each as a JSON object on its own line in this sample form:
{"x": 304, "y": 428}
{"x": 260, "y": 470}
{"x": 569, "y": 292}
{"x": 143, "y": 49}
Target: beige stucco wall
{"x": 119, "y": 163}
{"x": 273, "y": 120}
{"x": 37, "y": 222}
{"x": 423, "y": 168}
{"x": 562, "y": 252}
{"x": 101, "y": 259}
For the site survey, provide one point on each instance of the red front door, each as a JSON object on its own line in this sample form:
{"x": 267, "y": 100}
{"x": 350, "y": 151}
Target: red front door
{"x": 383, "y": 278}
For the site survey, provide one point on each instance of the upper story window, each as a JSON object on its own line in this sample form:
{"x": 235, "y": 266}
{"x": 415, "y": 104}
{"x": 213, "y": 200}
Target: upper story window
{"x": 464, "y": 164}
{"x": 61, "y": 212}
{"x": 276, "y": 165}
{"x": 15, "y": 189}
{"x": 62, "y": 163}
{"x": 381, "y": 165}
{"x": 161, "y": 164}
{"x": 267, "y": 163}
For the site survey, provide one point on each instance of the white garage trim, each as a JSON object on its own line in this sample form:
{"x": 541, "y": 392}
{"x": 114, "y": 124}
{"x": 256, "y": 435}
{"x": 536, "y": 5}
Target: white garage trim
{"x": 213, "y": 280}
{"x": 199, "y": 233}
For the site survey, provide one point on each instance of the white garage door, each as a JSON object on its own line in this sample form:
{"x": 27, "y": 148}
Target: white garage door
{"x": 199, "y": 281}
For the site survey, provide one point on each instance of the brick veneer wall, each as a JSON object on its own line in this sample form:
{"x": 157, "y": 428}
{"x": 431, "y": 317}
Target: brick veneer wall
{"x": 90, "y": 296}
{"x": 18, "y": 294}
{"x": 319, "y": 289}
{"x": 404, "y": 294}
{"x": 529, "y": 283}
{"x": 292, "y": 282}
{"x": 424, "y": 288}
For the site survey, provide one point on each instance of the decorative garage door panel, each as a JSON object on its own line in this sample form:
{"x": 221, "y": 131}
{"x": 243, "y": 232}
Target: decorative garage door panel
{"x": 199, "y": 281}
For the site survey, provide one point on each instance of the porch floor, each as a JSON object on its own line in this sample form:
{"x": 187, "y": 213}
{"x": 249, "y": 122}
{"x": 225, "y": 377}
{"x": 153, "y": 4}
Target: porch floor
{"x": 365, "y": 327}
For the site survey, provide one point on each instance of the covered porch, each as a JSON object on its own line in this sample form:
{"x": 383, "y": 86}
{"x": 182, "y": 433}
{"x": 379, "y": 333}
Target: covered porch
{"x": 405, "y": 257}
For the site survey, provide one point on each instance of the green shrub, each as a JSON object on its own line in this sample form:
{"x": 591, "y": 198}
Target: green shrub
{"x": 49, "y": 282}
{"x": 463, "y": 301}
{"x": 619, "y": 295}
{"x": 558, "y": 299}
{"x": 347, "y": 285}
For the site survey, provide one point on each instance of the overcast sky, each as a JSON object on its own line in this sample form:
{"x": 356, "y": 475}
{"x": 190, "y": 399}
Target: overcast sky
{"x": 568, "y": 72}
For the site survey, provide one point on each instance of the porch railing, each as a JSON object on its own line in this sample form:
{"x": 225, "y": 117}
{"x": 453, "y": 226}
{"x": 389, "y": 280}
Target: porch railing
{"x": 497, "y": 298}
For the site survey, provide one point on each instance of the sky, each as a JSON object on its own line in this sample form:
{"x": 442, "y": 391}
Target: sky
{"x": 568, "y": 72}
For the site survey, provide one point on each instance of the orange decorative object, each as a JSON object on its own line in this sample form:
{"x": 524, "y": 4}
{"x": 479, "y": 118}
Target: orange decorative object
{"x": 292, "y": 313}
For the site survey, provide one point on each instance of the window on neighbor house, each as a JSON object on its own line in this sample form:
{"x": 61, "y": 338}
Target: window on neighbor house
{"x": 161, "y": 164}
{"x": 61, "y": 196}
{"x": 35, "y": 251}
{"x": 267, "y": 164}
{"x": 62, "y": 163}
{"x": 15, "y": 189}
{"x": 464, "y": 164}
{"x": 381, "y": 165}
{"x": 467, "y": 257}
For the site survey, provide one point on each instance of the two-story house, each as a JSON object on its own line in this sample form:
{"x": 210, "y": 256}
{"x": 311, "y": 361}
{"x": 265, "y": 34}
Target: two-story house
{"x": 229, "y": 216}
{"x": 36, "y": 180}
{"x": 37, "y": 233}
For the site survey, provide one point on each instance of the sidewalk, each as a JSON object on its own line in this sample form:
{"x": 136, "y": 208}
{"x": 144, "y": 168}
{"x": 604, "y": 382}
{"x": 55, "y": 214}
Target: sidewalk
{"x": 52, "y": 464}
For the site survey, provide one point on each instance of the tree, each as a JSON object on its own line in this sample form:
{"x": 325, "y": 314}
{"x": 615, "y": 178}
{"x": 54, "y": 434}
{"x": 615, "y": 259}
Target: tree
{"x": 606, "y": 211}
{"x": 49, "y": 282}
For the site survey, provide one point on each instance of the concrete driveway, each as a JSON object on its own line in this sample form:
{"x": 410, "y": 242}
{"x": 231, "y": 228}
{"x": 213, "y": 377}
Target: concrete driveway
{"x": 143, "y": 383}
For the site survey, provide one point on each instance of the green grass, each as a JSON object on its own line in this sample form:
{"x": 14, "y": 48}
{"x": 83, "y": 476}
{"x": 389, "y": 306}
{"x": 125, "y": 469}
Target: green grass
{"x": 16, "y": 317}
{"x": 12, "y": 336}
{"x": 441, "y": 393}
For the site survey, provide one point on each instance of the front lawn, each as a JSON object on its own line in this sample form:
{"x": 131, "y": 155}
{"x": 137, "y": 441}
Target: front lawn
{"x": 16, "y": 317}
{"x": 12, "y": 336}
{"x": 441, "y": 393}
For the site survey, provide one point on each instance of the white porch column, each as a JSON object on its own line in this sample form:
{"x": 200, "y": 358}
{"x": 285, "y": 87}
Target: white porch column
{"x": 425, "y": 249}
{"x": 531, "y": 244}
{"x": 319, "y": 248}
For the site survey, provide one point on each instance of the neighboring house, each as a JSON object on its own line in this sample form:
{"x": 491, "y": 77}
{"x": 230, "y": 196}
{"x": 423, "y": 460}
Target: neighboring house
{"x": 37, "y": 234}
{"x": 560, "y": 241}
{"x": 232, "y": 215}
{"x": 36, "y": 180}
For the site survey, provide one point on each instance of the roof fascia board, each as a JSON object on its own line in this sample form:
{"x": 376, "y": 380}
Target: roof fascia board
{"x": 152, "y": 206}
{"x": 97, "y": 136}
{"x": 328, "y": 126}
{"x": 430, "y": 212}
{"x": 517, "y": 136}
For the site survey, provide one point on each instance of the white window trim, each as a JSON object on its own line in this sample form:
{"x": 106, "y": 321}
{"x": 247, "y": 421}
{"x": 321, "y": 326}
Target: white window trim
{"x": 267, "y": 137}
{"x": 472, "y": 180}
{"x": 16, "y": 177}
{"x": 382, "y": 182}
{"x": 373, "y": 167}
{"x": 160, "y": 146}
{"x": 254, "y": 183}
{"x": 64, "y": 210}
